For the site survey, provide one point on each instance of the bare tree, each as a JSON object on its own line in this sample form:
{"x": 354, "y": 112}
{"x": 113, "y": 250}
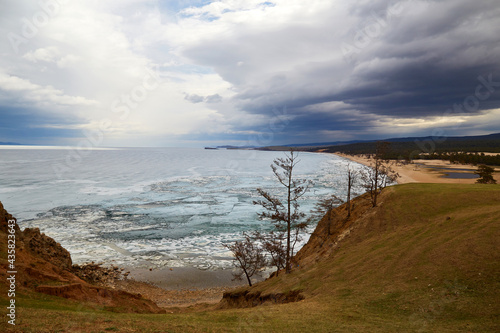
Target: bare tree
{"x": 324, "y": 208}
{"x": 248, "y": 257}
{"x": 352, "y": 177}
{"x": 285, "y": 213}
{"x": 274, "y": 244}
{"x": 298, "y": 229}
{"x": 380, "y": 174}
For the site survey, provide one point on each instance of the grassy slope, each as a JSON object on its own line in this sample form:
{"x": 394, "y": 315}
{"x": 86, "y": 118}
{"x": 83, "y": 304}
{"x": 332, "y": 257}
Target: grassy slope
{"x": 425, "y": 260}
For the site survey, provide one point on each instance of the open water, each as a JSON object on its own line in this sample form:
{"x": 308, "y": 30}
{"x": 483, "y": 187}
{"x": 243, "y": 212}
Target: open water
{"x": 144, "y": 207}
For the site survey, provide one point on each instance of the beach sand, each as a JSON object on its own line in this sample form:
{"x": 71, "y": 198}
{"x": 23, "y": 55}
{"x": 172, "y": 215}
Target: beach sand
{"x": 179, "y": 288}
{"x": 426, "y": 171}
{"x": 179, "y": 278}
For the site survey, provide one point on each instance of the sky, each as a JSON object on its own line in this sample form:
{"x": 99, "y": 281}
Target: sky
{"x": 193, "y": 73}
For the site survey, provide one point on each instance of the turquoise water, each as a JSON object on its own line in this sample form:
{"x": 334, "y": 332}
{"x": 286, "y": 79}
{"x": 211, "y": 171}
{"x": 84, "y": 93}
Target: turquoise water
{"x": 151, "y": 206}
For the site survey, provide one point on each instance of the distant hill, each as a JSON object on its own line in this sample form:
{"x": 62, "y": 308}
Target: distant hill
{"x": 465, "y": 150}
{"x": 494, "y": 138}
{"x": 459, "y": 149}
{"x": 322, "y": 144}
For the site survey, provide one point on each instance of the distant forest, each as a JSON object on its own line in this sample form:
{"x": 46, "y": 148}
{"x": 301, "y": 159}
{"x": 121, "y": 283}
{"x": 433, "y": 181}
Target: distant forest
{"x": 464, "y": 150}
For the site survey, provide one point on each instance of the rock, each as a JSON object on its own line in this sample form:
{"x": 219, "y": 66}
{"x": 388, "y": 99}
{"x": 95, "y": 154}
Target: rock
{"x": 46, "y": 248}
{"x": 95, "y": 273}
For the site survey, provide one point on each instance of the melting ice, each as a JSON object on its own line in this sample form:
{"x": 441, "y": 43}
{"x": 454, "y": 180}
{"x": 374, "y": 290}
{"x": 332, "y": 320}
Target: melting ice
{"x": 153, "y": 207}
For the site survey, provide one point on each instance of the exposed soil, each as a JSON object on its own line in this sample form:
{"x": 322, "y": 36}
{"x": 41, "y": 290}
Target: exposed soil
{"x": 173, "y": 300}
{"x": 43, "y": 265}
{"x": 248, "y": 299}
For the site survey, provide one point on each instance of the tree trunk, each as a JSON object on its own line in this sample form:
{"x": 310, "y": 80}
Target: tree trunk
{"x": 289, "y": 225}
{"x": 248, "y": 277}
{"x": 349, "y": 184}
{"x": 375, "y": 185}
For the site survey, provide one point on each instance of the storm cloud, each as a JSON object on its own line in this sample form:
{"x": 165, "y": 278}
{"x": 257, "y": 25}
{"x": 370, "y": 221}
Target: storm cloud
{"x": 341, "y": 70}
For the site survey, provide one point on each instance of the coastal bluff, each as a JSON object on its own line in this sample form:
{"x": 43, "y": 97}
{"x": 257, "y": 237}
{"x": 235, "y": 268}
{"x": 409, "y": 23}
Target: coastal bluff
{"x": 426, "y": 258}
{"x": 44, "y": 266}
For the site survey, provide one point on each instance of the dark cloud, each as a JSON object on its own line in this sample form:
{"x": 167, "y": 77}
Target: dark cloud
{"x": 194, "y": 98}
{"x": 424, "y": 58}
{"x": 341, "y": 69}
{"x": 213, "y": 98}
{"x": 27, "y": 126}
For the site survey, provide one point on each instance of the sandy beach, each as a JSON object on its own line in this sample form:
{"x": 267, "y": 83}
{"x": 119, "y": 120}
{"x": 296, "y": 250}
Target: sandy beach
{"x": 179, "y": 278}
{"x": 428, "y": 171}
{"x": 179, "y": 288}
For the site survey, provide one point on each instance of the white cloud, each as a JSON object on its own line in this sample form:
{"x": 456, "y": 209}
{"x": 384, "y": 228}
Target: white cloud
{"x": 49, "y": 54}
{"x": 68, "y": 60}
{"x": 40, "y": 96}
{"x": 52, "y": 54}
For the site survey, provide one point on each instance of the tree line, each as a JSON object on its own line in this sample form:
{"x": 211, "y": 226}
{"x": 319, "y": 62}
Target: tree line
{"x": 463, "y": 158}
{"x": 465, "y": 151}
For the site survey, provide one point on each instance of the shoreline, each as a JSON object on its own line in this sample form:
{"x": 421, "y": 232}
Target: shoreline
{"x": 179, "y": 288}
{"x": 182, "y": 278}
{"x": 425, "y": 171}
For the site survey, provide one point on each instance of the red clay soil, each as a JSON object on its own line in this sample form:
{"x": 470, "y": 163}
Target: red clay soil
{"x": 44, "y": 266}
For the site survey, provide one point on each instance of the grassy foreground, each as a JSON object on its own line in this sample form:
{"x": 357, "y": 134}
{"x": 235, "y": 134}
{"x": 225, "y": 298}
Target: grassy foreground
{"x": 426, "y": 260}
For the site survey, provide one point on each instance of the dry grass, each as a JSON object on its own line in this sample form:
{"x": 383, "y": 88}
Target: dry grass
{"x": 426, "y": 260}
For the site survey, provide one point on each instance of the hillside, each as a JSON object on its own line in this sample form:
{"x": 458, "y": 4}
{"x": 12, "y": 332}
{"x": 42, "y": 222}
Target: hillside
{"x": 427, "y": 259}
{"x": 43, "y": 269}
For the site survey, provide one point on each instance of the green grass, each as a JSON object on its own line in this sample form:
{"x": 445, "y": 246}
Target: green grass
{"x": 426, "y": 260}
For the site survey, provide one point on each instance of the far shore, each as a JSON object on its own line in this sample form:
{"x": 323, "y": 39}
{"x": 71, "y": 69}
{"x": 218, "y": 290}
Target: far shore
{"x": 425, "y": 171}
